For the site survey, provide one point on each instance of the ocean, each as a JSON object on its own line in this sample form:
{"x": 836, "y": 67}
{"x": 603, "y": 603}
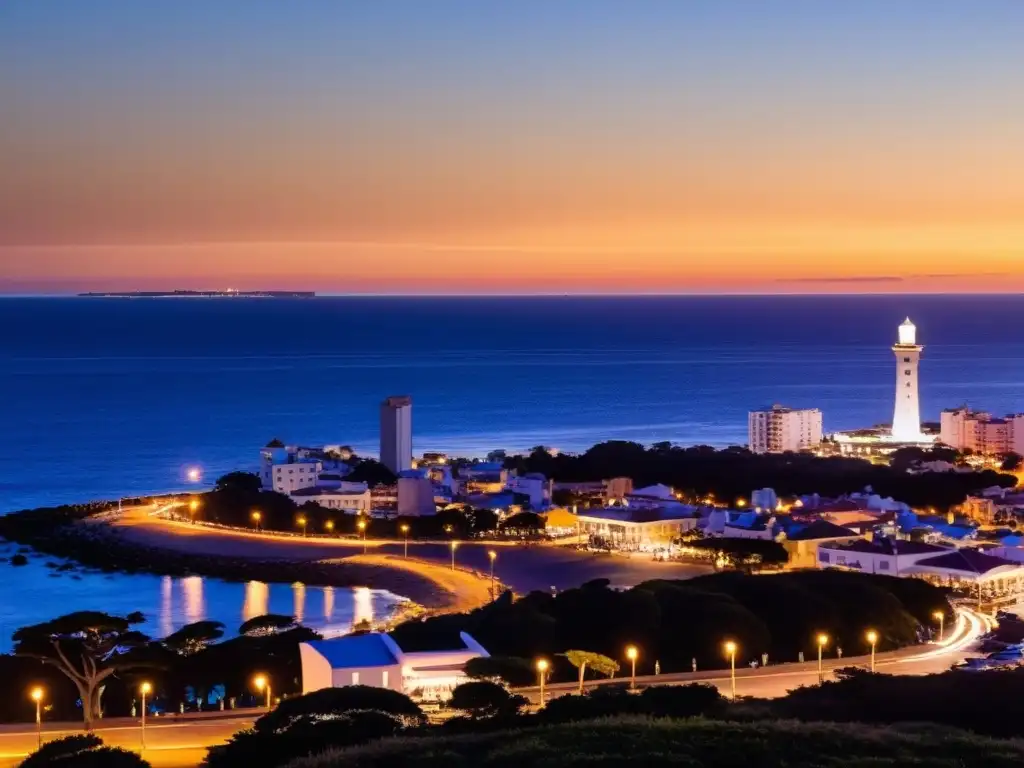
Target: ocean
{"x": 108, "y": 397}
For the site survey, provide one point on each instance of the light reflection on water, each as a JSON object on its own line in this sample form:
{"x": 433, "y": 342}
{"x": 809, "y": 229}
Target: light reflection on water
{"x": 34, "y": 593}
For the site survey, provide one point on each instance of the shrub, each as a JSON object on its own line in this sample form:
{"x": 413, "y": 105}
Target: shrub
{"x": 482, "y": 699}
{"x": 82, "y": 751}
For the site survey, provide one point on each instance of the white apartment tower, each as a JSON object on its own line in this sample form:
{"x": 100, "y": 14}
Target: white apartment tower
{"x": 396, "y": 433}
{"x": 906, "y": 420}
{"x": 779, "y": 429}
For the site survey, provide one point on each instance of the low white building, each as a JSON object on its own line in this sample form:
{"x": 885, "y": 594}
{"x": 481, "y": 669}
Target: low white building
{"x": 636, "y": 529}
{"x": 765, "y": 499}
{"x": 375, "y": 659}
{"x": 348, "y": 497}
{"x": 779, "y": 429}
{"x": 890, "y": 557}
{"x": 295, "y": 475}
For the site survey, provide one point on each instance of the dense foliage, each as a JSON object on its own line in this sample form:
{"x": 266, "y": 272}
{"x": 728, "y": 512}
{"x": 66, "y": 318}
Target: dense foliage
{"x": 638, "y": 741}
{"x": 674, "y": 622}
{"x": 82, "y": 751}
{"x": 734, "y": 472}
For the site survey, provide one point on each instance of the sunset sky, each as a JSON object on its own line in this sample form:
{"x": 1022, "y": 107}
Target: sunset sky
{"x": 446, "y": 146}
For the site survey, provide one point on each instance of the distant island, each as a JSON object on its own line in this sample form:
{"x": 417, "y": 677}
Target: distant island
{"x": 202, "y": 294}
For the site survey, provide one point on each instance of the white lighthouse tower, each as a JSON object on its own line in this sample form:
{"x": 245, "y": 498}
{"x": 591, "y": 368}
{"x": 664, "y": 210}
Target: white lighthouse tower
{"x": 906, "y": 421}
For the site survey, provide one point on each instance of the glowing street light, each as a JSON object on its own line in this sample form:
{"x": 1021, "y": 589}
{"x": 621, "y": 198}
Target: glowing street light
{"x": 329, "y": 525}
{"x": 455, "y": 545}
{"x": 193, "y": 507}
{"x": 404, "y": 528}
{"x": 262, "y": 682}
{"x": 631, "y": 654}
{"x": 492, "y": 556}
{"x": 730, "y": 651}
{"x": 542, "y": 669}
{"x": 361, "y": 525}
{"x": 873, "y": 640}
{"x": 36, "y": 694}
{"x": 940, "y": 617}
{"x": 822, "y": 642}
{"x": 301, "y": 520}
{"x": 145, "y": 689}
{"x": 256, "y": 517}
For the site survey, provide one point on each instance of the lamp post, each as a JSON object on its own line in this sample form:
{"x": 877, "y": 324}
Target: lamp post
{"x": 256, "y": 517}
{"x": 263, "y": 683}
{"x": 631, "y": 654}
{"x": 361, "y": 525}
{"x": 144, "y": 689}
{"x": 302, "y": 521}
{"x": 940, "y": 617}
{"x": 193, "y": 507}
{"x": 492, "y": 556}
{"x": 542, "y": 668}
{"x": 405, "y": 532}
{"x": 37, "y": 696}
{"x": 730, "y": 650}
{"x": 329, "y": 525}
{"x": 873, "y": 640}
{"x": 822, "y": 642}
{"x": 455, "y": 545}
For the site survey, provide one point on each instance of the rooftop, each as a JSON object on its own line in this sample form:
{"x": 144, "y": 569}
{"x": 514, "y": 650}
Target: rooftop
{"x": 965, "y": 559}
{"x": 370, "y": 650}
{"x": 820, "y": 529}
{"x": 890, "y": 547}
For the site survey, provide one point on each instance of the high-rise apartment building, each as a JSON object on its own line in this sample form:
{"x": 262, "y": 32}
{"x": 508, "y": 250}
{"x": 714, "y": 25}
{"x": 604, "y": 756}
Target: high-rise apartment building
{"x": 981, "y": 432}
{"x": 396, "y": 433}
{"x": 779, "y": 429}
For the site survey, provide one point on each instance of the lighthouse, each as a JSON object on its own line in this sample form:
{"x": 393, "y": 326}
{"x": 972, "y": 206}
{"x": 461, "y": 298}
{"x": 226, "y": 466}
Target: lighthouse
{"x": 906, "y": 420}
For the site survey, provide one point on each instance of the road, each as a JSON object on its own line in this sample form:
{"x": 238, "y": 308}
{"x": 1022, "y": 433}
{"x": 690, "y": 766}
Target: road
{"x": 182, "y": 742}
{"x": 177, "y": 744}
{"x": 523, "y": 568}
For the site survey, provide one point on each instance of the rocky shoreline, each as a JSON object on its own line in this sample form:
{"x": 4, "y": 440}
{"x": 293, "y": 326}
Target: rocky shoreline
{"x": 63, "y": 532}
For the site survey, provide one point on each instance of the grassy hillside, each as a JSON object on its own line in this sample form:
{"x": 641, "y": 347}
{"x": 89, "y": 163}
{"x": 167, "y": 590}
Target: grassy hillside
{"x": 630, "y": 742}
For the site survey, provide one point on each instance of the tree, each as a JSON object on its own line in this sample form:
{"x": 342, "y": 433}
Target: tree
{"x": 86, "y": 646}
{"x": 372, "y": 473}
{"x": 239, "y": 482}
{"x": 523, "y": 523}
{"x": 583, "y": 659}
{"x": 275, "y": 443}
{"x": 268, "y": 624}
{"x": 509, "y": 669}
{"x": 194, "y": 637}
{"x": 1012, "y": 462}
{"x": 82, "y": 751}
{"x": 482, "y": 699}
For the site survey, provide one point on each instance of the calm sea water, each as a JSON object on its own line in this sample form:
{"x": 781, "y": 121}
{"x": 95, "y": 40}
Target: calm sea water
{"x": 100, "y": 397}
{"x": 34, "y": 593}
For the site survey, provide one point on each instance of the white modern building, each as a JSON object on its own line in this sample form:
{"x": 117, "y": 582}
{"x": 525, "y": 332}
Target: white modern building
{"x": 906, "y": 420}
{"x": 396, "y": 433}
{"x": 534, "y": 486}
{"x": 634, "y": 529}
{"x": 295, "y": 475}
{"x": 779, "y": 429}
{"x": 375, "y": 659}
{"x": 890, "y": 557}
{"x": 415, "y": 494}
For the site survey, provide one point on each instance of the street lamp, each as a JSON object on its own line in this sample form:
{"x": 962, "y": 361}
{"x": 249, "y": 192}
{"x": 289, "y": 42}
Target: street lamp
{"x": 730, "y": 650}
{"x": 405, "y": 530}
{"x": 263, "y": 683}
{"x": 492, "y": 556}
{"x": 36, "y": 694}
{"x": 193, "y": 507}
{"x": 873, "y": 640}
{"x": 455, "y": 545}
{"x": 361, "y": 525}
{"x": 329, "y": 525}
{"x": 144, "y": 689}
{"x": 940, "y": 617}
{"x": 302, "y": 521}
{"x": 256, "y": 517}
{"x": 822, "y": 642}
{"x": 631, "y": 654}
{"x": 542, "y": 668}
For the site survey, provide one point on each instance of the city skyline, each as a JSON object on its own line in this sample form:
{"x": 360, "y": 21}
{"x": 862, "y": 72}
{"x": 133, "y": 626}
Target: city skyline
{"x": 599, "y": 147}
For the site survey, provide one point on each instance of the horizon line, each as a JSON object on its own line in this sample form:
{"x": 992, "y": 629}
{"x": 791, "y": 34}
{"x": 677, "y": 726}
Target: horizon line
{"x": 536, "y": 294}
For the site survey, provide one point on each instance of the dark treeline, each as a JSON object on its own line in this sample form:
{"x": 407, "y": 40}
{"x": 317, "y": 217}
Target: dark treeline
{"x": 732, "y": 473}
{"x": 674, "y": 622}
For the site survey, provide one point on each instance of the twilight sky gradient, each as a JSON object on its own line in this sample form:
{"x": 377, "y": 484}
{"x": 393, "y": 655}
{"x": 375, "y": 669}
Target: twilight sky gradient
{"x": 528, "y": 146}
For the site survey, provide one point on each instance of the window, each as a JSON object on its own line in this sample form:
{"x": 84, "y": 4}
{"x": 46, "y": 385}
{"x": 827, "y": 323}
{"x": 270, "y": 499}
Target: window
{"x": 384, "y": 679}
{"x": 906, "y": 372}
{"x": 906, "y": 359}
{"x": 823, "y": 557}
{"x": 841, "y": 560}
{"x": 884, "y": 565}
{"x": 355, "y": 678}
